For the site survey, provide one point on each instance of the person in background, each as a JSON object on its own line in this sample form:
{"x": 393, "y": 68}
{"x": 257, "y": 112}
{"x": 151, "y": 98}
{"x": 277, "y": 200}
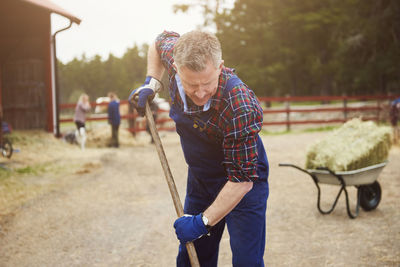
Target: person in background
{"x": 394, "y": 118}
{"x": 81, "y": 109}
{"x": 218, "y": 118}
{"x": 114, "y": 118}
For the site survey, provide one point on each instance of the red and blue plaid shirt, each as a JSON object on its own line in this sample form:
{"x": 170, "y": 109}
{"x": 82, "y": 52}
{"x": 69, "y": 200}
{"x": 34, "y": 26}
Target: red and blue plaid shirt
{"x": 236, "y": 123}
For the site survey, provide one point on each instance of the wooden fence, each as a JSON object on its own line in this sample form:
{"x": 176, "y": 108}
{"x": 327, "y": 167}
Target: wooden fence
{"x": 343, "y": 107}
{"x": 279, "y": 111}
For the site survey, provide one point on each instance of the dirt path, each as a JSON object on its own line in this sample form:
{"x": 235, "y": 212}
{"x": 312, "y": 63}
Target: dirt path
{"x": 118, "y": 212}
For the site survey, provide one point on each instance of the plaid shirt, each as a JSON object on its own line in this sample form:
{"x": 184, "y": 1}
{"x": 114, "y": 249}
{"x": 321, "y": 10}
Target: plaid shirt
{"x": 236, "y": 122}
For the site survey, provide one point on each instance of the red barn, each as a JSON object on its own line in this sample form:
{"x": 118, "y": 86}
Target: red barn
{"x": 28, "y": 87}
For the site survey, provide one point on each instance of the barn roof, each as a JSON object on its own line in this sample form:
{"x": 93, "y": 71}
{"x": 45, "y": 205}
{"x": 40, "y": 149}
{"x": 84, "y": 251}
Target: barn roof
{"x": 48, "y": 5}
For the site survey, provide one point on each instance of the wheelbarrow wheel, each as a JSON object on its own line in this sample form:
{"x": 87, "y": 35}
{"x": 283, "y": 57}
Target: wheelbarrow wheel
{"x": 7, "y": 148}
{"x": 370, "y": 196}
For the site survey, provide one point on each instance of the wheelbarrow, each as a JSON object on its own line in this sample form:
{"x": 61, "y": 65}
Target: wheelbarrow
{"x": 369, "y": 191}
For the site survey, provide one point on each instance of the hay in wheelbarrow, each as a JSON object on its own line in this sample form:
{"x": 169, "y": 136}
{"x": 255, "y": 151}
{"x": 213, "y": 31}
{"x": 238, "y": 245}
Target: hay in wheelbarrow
{"x": 356, "y": 144}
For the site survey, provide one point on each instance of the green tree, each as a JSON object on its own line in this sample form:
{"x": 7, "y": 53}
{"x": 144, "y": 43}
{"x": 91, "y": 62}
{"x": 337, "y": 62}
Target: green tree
{"x": 97, "y": 77}
{"x": 310, "y": 47}
{"x": 277, "y": 47}
{"x": 370, "y": 54}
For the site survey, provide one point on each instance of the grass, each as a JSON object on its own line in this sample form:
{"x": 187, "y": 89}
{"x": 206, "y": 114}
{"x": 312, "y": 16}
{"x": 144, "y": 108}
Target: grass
{"x": 27, "y": 138}
{"x": 5, "y": 173}
{"x": 320, "y": 129}
{"x": 307, "y": 130}
{"x": 35, "y": 170}
{"x": 38, "y": 168}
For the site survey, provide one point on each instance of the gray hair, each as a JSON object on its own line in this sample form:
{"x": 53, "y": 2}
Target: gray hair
{"x": 195, "y": 49}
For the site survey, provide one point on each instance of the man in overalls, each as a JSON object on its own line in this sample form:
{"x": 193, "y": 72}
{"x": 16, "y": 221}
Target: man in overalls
{"x": 218, "y": 119}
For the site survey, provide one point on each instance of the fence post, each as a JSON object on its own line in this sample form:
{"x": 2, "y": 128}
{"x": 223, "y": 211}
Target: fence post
{"x": 378, "y": 110}
{"x": 345, "y": 106}
{"x": 287, "y": 107}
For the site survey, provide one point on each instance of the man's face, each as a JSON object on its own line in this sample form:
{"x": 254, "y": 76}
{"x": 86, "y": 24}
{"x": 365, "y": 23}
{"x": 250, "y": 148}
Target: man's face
{"x": 200, "y": 86}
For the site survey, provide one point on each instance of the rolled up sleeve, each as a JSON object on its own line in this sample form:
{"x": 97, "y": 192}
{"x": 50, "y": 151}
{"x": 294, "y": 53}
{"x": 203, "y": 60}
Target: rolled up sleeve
{"x": 244, "y": 120}
{"x": 165, "y": 43}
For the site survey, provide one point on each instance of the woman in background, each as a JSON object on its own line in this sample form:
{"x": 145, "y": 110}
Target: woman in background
{"x": 82, "y": 107}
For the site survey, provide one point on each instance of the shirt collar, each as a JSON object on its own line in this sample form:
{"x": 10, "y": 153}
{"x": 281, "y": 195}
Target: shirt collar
{"x": 181, "y": 90}
{"x": 191, "y": 108}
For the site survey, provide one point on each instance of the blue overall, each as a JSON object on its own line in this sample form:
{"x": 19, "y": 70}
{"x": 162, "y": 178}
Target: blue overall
{"x": 206, "y": 176}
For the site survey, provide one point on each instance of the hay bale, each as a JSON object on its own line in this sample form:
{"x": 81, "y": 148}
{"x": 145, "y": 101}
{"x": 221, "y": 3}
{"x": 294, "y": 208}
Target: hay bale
{"x": 356, "y": 144}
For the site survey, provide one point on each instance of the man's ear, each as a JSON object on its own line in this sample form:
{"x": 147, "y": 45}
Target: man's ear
{"x": 221, "y": 66}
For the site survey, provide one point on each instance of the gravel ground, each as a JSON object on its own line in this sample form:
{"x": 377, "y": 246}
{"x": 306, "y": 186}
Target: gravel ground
{"x": 114, "y": 209}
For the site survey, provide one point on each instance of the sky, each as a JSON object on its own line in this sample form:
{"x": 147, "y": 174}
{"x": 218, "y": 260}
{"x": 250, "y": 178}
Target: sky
{"x": 113, "y": 26}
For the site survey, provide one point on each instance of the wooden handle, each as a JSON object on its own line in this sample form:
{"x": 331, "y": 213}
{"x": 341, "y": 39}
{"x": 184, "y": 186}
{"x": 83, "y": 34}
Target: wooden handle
{"x": 170, "y": 180}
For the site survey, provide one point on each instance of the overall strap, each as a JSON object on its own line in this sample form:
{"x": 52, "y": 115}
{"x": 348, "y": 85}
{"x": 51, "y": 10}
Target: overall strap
{"x": 232, "y": 82}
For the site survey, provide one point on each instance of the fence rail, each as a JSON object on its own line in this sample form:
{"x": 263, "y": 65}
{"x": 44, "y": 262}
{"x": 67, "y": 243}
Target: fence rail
{"x": 376, "y": 111}
{"x": 373, "y": 108}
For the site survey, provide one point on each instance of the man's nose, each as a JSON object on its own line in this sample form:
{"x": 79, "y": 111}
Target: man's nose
{"x": 200, "y": 93}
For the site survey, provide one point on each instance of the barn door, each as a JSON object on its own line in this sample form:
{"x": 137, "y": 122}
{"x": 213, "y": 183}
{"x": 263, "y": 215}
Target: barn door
{"x": 24, "y": 93}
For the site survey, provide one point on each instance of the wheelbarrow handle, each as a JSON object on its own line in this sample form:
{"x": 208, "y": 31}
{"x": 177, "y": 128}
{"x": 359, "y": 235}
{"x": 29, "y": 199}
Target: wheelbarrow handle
{"x": 170, "y": 180}
{"x": 294, "y": 166}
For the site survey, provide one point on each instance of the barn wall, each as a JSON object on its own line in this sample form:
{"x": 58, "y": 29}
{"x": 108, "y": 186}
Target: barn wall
{"x": 24, "y": 56}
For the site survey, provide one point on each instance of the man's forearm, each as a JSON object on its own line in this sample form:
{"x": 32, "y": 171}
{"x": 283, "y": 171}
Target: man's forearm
{"x": 227, "y": 199}
{"x": 155, "y": 67}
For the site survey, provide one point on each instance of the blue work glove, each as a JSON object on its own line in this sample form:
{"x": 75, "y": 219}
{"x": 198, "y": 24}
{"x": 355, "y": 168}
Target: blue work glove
{"x": 144, "y": 93}
{"x": 189, "y": 228}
